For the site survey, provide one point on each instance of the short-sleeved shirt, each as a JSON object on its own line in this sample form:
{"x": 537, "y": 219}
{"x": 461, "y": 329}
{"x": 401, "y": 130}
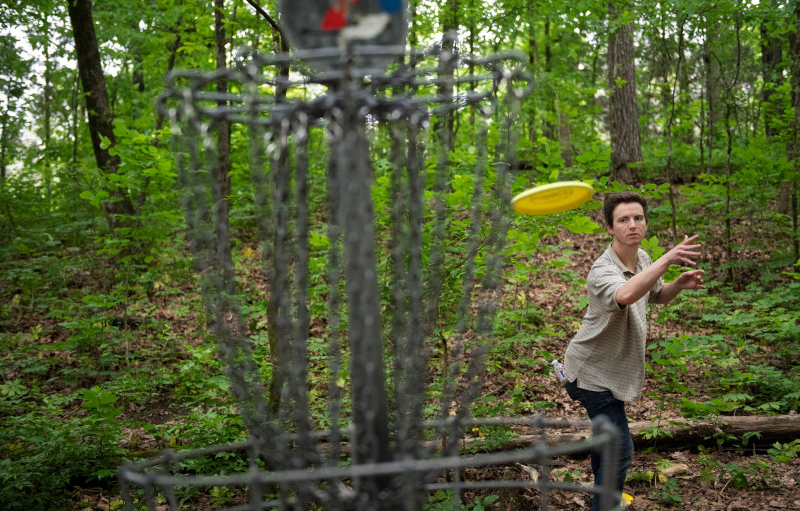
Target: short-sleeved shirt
{"x": 608, "y": 352}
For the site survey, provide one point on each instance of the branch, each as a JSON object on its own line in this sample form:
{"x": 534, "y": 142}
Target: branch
{"x": 266, "y": 16}
{"x": 738, "y": 58}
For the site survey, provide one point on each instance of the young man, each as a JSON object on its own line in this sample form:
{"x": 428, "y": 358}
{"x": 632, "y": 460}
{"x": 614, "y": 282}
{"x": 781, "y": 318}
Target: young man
{"x": 604, "y": 362}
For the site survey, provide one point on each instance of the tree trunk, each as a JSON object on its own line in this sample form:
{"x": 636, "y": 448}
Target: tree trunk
{"x": 224, "y": 256}
{"x": 533, "y": 66}
{"x": 728, "y": 155}
{"x": 790, "y": 188}
{"x": 101, "y": 127}
{"x": 565, "y": 136}
{"x": 76, "y": 116}
{"x": 561, "y": 130}
{"x": 623, "y": 114}
{"x": 137, "y": 75}
{"x": 3, "y": 148}
{"x": 685, "y": 93}
{"x": 772, "y": 73}
{"x": 413, "y": 38}
{"x": 445, "y": 122}
{"x": 710, "y": 88}
{"x": 472, "y": 31}
{"x": 47, "y": 172}
{"x": 6, "y": 138}
{"x": 670, "y": 105}
{"x": 548, "y": 130}
{"x": 792, "y": 149}
{"x": 688, "y": 434}
{"x": 279, "y": 45}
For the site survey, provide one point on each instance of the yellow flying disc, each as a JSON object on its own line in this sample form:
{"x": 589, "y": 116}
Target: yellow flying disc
{"x": 552, "y": 198}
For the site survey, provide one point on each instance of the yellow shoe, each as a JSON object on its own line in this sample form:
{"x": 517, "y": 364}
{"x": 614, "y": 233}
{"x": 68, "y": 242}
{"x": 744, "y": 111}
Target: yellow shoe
{"x": 626, "y": 500}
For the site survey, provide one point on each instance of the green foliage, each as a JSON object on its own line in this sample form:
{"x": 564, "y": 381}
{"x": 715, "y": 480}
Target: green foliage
{"x": 445, "y": 500}
{"x": 753, "y": 472}
{"x": 784, "y": 452}
{"x": 652, "y": 247}
{"x": 640, "y": 476}
{"x": 103, "y": 413}
{"x": 668, "y": 494}
{"x": 568, "y": 476}
{"x": 42, "y": 456}
{"x": 759, "y": 317}
{"x": 491, "y": 438}
{"x": 203, "y": 428}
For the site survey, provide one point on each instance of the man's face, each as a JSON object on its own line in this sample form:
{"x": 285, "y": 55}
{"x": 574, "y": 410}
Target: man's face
{"x": 630, "y": 225}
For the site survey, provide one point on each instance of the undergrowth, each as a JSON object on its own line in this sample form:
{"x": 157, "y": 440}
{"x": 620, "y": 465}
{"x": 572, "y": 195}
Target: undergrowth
{"x": 108, "y": 359}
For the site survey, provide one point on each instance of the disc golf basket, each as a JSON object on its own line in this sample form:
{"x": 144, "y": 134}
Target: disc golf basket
{"x": 382, "y": 444}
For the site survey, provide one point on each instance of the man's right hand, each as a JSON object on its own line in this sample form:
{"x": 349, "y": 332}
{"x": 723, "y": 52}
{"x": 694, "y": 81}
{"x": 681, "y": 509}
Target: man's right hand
{"x": 684, "y": 252}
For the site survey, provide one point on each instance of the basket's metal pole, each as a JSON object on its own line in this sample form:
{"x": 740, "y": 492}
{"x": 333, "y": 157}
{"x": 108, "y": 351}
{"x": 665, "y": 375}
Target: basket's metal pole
{"x": 609, "y": 496}
{"x": 370, "y": 415}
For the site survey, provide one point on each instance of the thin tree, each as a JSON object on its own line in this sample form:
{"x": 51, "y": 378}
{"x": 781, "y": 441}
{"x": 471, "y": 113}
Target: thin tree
{"x": 670, "y": 104}
{"x": 224, "y": 255}
{"x": 280, "y": 45}
{"x": 449, "y": 20}
{"x": 794, "y": 152}
{"x": 729, "y": 100}
{"x": 771, "y": 72}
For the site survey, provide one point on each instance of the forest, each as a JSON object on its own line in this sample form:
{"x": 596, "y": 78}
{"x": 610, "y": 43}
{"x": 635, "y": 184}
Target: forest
{"x": 113, "y": 332}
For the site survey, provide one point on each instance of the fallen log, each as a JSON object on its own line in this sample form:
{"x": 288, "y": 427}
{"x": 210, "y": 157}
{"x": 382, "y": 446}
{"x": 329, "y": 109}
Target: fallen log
{"x": 692, "y": 433}
{"x": 667, "y": 433}
{"x": 675, "y": 433}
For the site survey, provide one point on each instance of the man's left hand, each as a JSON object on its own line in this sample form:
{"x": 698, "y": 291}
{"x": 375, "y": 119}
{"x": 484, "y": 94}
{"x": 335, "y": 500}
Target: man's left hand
{"x": 690, "y": 280}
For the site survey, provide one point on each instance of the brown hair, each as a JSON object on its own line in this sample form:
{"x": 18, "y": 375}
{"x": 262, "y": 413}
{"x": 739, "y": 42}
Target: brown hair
{"x": 613, "y": 200}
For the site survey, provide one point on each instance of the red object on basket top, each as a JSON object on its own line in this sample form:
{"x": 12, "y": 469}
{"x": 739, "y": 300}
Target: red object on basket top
{"x": 336, "y": 16}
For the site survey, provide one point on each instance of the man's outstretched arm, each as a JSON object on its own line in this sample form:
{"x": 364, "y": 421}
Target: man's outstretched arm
{"x": 641, "y": 284}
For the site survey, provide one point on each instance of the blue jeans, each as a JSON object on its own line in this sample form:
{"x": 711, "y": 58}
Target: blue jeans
{"x": 604, "y": 403}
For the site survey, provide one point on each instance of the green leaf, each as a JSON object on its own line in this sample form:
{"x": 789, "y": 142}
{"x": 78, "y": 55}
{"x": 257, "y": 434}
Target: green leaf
{"x": 581, "y": 224}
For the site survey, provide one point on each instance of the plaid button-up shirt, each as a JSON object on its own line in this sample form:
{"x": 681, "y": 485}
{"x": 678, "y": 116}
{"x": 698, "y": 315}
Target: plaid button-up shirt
{"x": 608, "y": 352}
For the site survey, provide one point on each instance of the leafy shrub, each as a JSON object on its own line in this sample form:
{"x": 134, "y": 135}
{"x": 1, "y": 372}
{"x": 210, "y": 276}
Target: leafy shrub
{"x": 41, "y": 458}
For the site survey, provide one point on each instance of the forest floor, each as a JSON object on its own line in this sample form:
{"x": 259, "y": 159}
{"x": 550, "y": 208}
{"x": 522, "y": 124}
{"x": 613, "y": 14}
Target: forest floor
{"x": 726, "y": 477}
